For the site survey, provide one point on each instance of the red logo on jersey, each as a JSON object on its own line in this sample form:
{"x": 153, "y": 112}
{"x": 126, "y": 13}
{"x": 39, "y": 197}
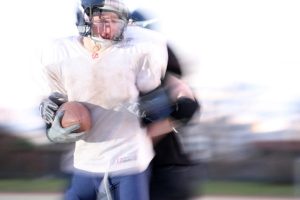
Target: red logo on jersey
{"x": 95, "y": 55}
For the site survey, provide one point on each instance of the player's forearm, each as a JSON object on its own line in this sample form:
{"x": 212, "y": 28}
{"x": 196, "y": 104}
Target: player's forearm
{"x": 159, "y": 128}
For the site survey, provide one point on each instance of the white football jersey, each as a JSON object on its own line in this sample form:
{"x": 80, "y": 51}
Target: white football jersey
{"x": 107, "y": 84}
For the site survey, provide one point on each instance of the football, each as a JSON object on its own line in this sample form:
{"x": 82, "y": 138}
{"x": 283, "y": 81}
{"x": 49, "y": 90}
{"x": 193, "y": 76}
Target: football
{"x": 76, "y": 113}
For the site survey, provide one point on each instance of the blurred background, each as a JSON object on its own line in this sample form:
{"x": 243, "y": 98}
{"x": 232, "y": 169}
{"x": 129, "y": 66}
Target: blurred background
{"x": 241, "y": 57}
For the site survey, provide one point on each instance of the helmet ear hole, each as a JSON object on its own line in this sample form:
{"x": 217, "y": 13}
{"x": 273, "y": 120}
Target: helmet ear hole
{"x": 87, "y": 12}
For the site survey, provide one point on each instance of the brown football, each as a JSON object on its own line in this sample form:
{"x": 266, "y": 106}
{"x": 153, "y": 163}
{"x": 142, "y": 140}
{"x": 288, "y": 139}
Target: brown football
{"x": 76, "y": 113}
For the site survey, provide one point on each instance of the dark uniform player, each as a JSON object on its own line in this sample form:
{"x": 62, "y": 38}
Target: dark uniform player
{"x": 174, "y": 175}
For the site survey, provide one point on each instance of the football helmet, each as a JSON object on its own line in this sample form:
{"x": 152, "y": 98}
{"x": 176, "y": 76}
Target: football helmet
{"x": 92, "y": 7}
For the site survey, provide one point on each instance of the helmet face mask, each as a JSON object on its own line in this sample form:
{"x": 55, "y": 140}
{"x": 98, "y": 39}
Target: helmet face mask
{"x": 107, "y": 25}
{"x": 97, "y": 20}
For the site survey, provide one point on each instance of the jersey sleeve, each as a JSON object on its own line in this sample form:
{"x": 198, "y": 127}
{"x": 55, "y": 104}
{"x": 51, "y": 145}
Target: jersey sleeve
{"x": 152, "y": 64}
{"x": 51, "y": 58}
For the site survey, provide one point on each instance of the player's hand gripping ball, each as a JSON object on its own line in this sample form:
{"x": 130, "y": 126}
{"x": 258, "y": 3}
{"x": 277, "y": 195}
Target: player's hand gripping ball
{"x": 76, "y": 113}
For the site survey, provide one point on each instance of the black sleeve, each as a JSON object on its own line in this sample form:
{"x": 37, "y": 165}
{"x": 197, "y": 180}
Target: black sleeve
{"x": 155, "y": 105}
{"x": 173, "y": 63}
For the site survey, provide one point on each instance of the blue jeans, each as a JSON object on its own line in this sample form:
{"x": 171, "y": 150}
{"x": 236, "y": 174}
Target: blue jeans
{"x": 130, "y": 187}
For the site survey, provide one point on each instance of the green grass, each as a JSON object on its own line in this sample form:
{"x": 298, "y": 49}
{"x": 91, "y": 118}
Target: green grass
{"x": 247, "y": 189}
{"x": 208, "y": 188}
{"x": 33, "y": 185}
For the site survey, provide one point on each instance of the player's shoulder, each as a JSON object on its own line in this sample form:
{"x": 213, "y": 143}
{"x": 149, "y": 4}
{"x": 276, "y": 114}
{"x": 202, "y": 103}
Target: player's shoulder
{"x": 64, "y": 44}
{"x": 58, "y": 49}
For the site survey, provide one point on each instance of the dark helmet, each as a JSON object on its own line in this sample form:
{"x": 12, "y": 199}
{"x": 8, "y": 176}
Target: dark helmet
{"x": 145, "y": 18}
{"x": 84, "y": 14}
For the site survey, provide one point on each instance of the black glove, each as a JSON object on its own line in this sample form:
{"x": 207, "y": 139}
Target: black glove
{"x": 50, "y": 105}
{"x": 155, "y": 105}
{"x": 184, "y": 109}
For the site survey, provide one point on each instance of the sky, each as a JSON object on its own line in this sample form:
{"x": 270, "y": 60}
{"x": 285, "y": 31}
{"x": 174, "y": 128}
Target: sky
{"x": 221, "y": 43}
